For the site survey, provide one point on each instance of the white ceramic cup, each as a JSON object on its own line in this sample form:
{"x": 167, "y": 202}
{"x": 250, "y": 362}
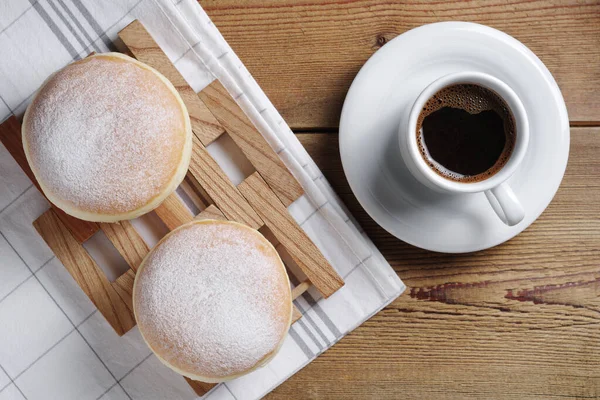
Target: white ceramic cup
{"x": 496, "y": 189}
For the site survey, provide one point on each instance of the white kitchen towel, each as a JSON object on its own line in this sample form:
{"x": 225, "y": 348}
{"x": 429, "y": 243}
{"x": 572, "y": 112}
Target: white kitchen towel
{"x": 53, "y": 342}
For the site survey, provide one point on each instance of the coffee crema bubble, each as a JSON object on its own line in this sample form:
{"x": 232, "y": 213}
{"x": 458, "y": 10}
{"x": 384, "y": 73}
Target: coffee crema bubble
{"x": 466, "y": 133}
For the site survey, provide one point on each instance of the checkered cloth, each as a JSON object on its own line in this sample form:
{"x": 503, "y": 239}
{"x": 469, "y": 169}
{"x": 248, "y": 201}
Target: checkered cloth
{"x": 53, "y": 342}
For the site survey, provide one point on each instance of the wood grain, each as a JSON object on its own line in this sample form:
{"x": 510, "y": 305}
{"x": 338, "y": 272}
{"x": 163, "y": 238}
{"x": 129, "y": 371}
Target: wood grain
{"x": 519, "y": 321}
{"x": 173, "y": 212}
{"x": 84, "y": 270}
{"x": 305, "y": 54}
{"x": 189, "y": 187}
{"x": 296, "y": 314}
{"x": 219, "y": 189}
{"x": 123, "y": 285}
{"x": 127, "y": 242}
{"x": 301, "y": 288}
{"x": 145, "y": 49}
{"x": 251, "y": 142}
{"x": 201, "y": 388}
{"x": 302, "y": 250}
{"x": 210, "y": 212}
{"x": 10, "y": 136}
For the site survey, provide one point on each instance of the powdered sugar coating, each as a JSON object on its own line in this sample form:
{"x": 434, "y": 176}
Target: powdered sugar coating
{"x": 213, "y": 299}
{"x": 105, "y": 135}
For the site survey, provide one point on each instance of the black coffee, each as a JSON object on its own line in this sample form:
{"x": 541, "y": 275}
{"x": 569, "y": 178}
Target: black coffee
{"x": 466, "y": 133}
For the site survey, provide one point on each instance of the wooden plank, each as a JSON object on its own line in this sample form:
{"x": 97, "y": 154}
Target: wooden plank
{"x": 296, "y": 314}
{"x": 127, "y": 242}
{"x": 211, "y": 212}
{"x": 519, "y": 321}
{"x": 84, "y": 270}
{"x": 290, "y": 235}
{"x": 190, "y": 189}
{"x": 173, "y": 212}
{"x": 300, "y": 289}
{"x": 251, "y": 142}
{"x": 201, "y": 388}
{"x": 219, "y": 188}
{"x": 124, "y": 287}
{"x": 305, "y": 54}
{"x": 146, "y": 50}
{"x": 10, "y": 136}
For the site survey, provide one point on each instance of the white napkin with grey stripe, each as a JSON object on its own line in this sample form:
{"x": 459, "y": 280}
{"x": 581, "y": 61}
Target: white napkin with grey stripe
{"x": 53, "y": 343}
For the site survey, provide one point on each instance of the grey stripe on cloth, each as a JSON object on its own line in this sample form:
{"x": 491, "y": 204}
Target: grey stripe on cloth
{"x": 80, "y": 27}
{"x": 309, "y": 333}
{"x": 317, "y": 308}
{"x": 67, "y": 24}
{"x": 59, "y": 35}
{"x": 308, "y": 318}
{"x": 94, "y": 24}
{"x": 305, "y": 349}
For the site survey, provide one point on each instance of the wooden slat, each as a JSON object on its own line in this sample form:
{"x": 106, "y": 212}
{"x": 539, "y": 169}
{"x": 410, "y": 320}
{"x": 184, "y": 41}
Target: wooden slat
{"x": 296, "y": 314}
{"x": 219, "y": 188}
{"x": 127, "y": 242}
{"x": 251, "y": 142}
{"x": 146, "y": 50}
{"x": 173, "y": 212}
{"x": 124, "y": 287}
{"x": 10, "y": 136}
{"x": 211, "y": 212}
{"x": 305, "y": 54}
{"x": 290, "y": 235}
{"x": 201, "y": 388}
{"x": 189, "y": 187}
{"x": 300, "y": 289}
{"x": 85, "y": 271}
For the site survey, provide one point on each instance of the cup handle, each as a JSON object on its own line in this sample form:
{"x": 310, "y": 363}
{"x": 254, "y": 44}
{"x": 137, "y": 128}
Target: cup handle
{"x": 511, "y": 207}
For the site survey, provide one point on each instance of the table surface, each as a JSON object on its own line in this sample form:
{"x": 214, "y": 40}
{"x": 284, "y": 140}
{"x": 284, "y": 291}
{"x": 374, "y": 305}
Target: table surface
{"x": 521, "y": 320}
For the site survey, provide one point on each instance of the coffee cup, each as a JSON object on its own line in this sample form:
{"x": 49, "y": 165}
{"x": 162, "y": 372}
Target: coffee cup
{"x": 501, "y": 197}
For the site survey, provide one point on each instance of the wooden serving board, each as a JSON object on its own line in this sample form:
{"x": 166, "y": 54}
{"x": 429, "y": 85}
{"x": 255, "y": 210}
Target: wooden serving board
{"x": 260, "y": 201}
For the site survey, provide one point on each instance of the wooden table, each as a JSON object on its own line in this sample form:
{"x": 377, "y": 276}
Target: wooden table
{"x": 521, "y": 320}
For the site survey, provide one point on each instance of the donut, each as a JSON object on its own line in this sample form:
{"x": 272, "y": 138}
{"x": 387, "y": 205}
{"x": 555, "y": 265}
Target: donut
{"x": 212, "y": 300}
{"x": 108, "y": 138}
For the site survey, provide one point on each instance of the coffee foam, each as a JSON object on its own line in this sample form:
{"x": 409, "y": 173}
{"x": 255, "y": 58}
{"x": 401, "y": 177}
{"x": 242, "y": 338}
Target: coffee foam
{"x": 474, "y": 99}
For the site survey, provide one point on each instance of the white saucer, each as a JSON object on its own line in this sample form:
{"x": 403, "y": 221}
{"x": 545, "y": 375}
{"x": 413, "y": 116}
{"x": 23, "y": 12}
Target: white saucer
{"x": 369, "y": 136}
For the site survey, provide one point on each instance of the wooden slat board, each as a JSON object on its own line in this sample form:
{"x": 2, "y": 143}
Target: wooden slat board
{"x": 84, "y": 270}
{"x": 127, "y": 242}
{"x": 519, "y": 321}
{"x": 219, "y": 188}
{"x": 146, "y": 50}
{"x": 290, "y": 235}
{"x": 251, "y": 142}
{"x": 211, "y": 212}
{"x": 305, "y": 54}
{"x": 10, "y": 136}
{"x": 201, "y": 388}
{"x": 124, "y": 287}
{"x": 173, "y": 212}
{"x": 296, "y": 314}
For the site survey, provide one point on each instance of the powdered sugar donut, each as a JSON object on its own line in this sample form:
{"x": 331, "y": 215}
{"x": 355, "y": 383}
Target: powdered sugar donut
{"x": 213, "y": 300}
{"x": 108, "y": 138}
